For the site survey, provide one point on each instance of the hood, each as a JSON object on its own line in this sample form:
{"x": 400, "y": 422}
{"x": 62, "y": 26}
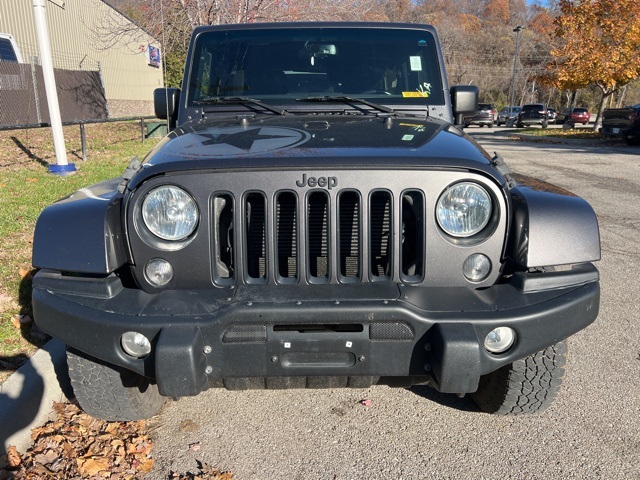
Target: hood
{"x": 322, "y": 141}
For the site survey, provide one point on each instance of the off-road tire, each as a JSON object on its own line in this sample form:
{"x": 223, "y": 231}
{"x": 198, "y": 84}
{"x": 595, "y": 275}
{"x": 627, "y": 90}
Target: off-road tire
{"x": 525, "y": 386}
{"x": 111, "y": 393}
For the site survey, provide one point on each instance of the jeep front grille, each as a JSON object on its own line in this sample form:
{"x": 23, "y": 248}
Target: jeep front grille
{"x": 346, "y": 237}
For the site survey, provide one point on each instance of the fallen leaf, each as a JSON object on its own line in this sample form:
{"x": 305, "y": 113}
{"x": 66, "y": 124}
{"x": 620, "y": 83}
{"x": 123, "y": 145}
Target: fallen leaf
{"x": 366, "y": 402}
{"x": 188, "y": 425}
{"x": 25, "y": 272}
{"x": 194, "y": 447}
{"x": 90, "y": 466}
{"x": 13, "y": 457}
{"x": 147, "y": 465}
{"x": 15, "y": 321}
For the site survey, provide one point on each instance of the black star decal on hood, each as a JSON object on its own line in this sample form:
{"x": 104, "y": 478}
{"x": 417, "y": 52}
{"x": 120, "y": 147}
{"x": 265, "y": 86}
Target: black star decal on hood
{"x": 246, "y": 139}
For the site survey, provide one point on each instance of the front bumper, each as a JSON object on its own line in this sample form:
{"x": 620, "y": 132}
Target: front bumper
{"x": 317, "y": 335}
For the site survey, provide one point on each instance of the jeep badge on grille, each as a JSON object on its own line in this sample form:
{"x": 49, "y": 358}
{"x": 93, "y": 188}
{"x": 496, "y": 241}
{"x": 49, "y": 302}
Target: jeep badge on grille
{"x": 324, "y": 182}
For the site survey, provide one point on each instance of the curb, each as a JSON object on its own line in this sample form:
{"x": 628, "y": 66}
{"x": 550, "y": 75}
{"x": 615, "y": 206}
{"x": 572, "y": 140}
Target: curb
{"x": 565, "y": 141}
{"x": 27, "y": 395}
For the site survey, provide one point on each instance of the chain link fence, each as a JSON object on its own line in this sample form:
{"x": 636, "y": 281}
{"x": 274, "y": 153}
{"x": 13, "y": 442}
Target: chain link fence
{"x": 23, "y": 100}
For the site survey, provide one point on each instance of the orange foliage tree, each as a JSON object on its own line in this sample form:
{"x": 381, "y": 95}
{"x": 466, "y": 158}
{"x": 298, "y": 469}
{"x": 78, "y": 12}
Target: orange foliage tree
{"x": 598, "y": 42}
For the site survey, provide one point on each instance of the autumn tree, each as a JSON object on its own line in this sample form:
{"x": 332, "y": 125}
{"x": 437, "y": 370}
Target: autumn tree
{"x": 598, "y": 42}
{"x": 477, "y": 35}
{"x": 172, "y": 21}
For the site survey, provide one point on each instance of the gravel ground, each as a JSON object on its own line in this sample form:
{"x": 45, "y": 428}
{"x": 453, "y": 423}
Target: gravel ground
{"x": 591, "y": 431}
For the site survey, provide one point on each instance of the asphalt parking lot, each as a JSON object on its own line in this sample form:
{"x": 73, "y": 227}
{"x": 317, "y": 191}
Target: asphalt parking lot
{"x": 592, "y": 431}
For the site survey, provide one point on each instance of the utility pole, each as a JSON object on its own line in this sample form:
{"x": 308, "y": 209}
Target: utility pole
{"x": 40, "y": 18}
{"x": 518, "y": 29}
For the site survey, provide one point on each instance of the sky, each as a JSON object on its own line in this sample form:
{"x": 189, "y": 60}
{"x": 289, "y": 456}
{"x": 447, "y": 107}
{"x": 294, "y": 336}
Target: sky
{"x": 544, "y": 3}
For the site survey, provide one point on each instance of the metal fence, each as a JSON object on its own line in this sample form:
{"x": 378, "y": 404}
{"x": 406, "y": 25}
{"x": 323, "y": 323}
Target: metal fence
{"x": 23, "y": 101}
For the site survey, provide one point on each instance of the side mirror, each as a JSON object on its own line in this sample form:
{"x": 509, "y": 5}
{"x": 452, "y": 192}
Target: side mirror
{"x": 464, "y": 100}
{"x": 165, "y": 104}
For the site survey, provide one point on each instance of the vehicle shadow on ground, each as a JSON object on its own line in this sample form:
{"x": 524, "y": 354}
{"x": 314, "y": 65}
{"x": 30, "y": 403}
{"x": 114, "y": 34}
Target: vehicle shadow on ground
{"x": 20, "y": 399}
{"x": 22, "y": 394}
{"x": 449, "y": 400}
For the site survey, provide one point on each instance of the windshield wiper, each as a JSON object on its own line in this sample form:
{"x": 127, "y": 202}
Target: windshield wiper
{"x": 239, "y": 101}
{"x": 330, "y": 98}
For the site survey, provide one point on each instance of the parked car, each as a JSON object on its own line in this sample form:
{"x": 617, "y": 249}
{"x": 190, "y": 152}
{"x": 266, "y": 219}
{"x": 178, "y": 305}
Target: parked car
{"x": 622, "y": 123}
{"x": 485, "y": 115}
{"x": 576, "y": 115}
{"x": 508, "y": 115}
{"x": 533, "y": 114}
{"x": 552, "y": 115}
{"x": 9, "y": 51}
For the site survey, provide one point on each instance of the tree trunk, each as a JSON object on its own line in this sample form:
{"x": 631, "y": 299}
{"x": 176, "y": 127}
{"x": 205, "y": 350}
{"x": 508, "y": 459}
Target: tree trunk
{"x": 621, "y": 97}
{"x": 606, "y": 94}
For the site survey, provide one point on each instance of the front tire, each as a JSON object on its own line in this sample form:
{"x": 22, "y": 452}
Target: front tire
{"x": 525, "y": 386}
{"x": 111, "y": 393}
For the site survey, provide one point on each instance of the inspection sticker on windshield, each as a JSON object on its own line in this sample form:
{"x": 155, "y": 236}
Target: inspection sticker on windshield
{"x": 416, "y": 64}
{"x": 423, "y": 90}
{"x": 415, "y": 94}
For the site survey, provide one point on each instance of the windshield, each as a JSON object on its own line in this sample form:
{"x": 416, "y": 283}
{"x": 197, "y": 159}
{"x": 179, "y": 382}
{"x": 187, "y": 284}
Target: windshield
{"x": 7, "y": 53}
{"x": 392, "y": 66}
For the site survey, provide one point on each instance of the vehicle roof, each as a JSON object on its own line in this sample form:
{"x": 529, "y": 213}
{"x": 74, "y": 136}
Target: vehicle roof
{"x": 269, "y": 25}
{"x": 13, "y": 45}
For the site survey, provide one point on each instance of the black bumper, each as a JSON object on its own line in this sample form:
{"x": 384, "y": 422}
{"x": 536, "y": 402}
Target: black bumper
{"x": 315, "y": 336}
{"x": 620, "y": 132}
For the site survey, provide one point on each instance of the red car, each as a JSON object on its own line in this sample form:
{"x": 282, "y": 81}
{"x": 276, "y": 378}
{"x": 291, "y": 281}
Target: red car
{"x": 577, "y": 115}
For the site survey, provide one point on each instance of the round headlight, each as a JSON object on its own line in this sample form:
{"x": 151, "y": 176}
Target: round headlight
{"x": 170, "y": 213}
{"x": 463, "y": 209}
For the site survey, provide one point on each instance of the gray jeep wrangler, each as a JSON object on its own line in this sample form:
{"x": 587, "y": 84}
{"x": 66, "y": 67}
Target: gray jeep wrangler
{"x": 315, "y": 219}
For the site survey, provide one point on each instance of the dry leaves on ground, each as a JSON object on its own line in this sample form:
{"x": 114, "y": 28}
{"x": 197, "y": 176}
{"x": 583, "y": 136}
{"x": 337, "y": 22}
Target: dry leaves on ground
{"x": 78, "y": 446}
{"x": 75, "y": 445}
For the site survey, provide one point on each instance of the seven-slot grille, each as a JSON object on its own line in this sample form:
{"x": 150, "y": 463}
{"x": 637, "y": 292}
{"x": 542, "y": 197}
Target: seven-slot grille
{"x": 318, "y": 237}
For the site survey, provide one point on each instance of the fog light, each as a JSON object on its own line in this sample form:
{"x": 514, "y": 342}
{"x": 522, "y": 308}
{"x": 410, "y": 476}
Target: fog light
{"x": 158, "y": 272}
{"x": 135, "y": 344}
{"x": 499, "y": 339}
{"x": 476, "y": 267}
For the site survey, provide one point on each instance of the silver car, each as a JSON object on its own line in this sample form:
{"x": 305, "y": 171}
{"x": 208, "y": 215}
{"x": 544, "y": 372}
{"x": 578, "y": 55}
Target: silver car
{"x": 507, "y": 115}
